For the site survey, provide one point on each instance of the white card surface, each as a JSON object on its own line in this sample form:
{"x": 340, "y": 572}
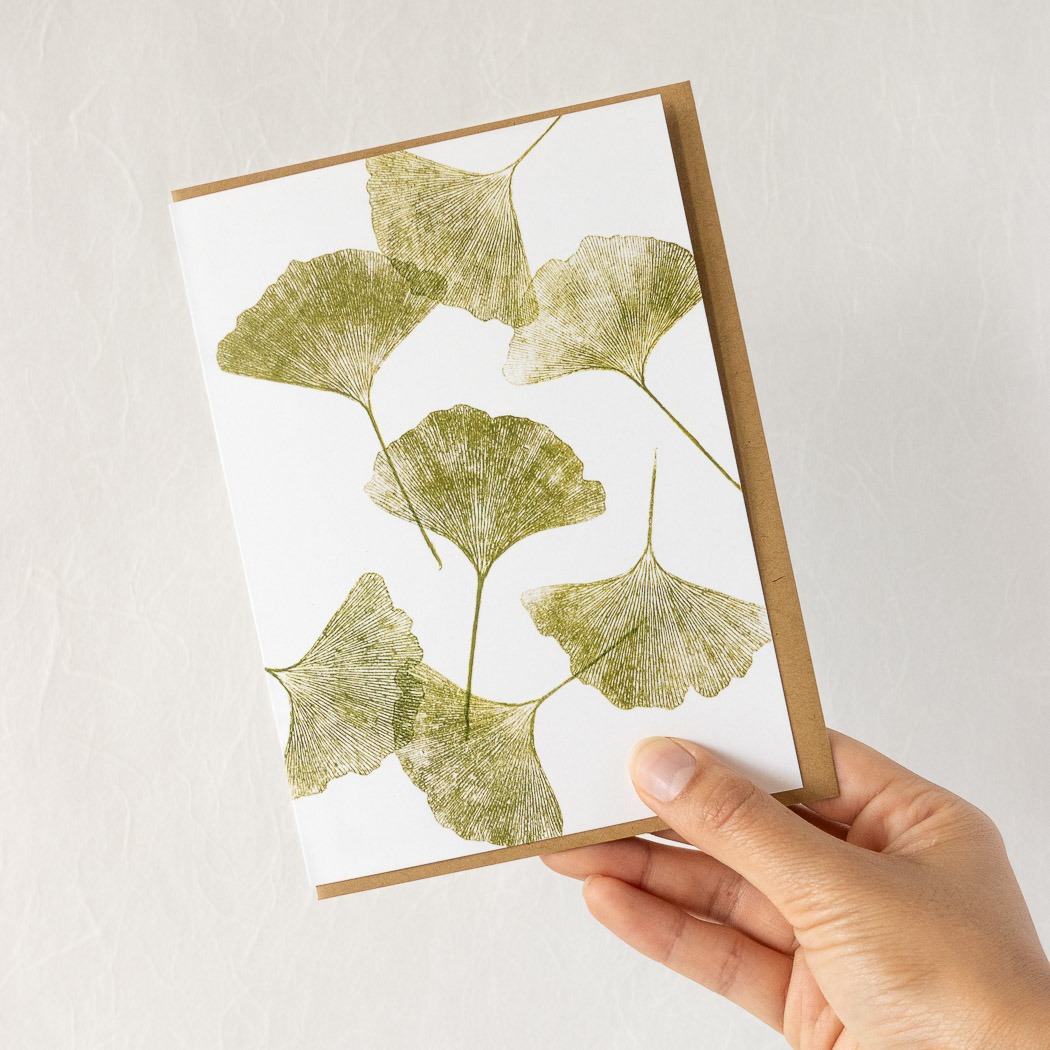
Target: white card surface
{"x": 297, "y": 461}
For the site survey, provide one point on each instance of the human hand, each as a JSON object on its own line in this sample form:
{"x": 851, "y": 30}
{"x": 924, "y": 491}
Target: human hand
{"x": 887, "y": 918}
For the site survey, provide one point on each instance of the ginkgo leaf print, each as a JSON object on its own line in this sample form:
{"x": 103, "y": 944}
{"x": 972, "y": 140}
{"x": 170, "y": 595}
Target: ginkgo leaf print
{"x": 352, "y": 704}
{"x": 485, "y": 483}
{"x": 485, "y": 784}
{"x": 685, "y": 636}
{"x": 606, "y": 307}
{"x": 328, "y": 324}
{"x": 454, "y": 234}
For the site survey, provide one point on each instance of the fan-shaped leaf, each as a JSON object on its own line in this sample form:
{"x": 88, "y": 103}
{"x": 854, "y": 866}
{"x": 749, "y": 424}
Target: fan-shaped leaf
{"x": 328, "y": 323}
{"x": 687, "y": 636}
{"x": 453, "y": 233}
{"x": 660, "y": 634}
{"x": 606, "y": 306}
{"x": 351, "y": 705}
{"x": 484, "y": 482}
{"x": 489, "y": 787}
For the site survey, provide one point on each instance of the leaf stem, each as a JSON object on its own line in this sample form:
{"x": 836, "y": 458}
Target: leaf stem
{"x": 681, "y": 426}
{"x": 515, "y": 163}
{"x": 587, "y": 666}
{"x": 470, "y": 659}
{"x": 652, "y": 506}
{"x": 367, "y": 405}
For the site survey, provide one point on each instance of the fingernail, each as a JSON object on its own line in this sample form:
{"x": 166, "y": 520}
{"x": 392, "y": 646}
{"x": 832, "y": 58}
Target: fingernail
{"x": 661, "y": 768}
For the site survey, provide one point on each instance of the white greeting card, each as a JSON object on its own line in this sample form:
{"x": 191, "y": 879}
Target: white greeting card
{"x": 484, "y": 487}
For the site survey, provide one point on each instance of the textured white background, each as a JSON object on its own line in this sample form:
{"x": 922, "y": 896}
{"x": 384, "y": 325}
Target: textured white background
{"x": 882, "y": 172}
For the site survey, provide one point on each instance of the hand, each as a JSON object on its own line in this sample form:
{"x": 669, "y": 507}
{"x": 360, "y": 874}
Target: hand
{"x": 888, "y": 918}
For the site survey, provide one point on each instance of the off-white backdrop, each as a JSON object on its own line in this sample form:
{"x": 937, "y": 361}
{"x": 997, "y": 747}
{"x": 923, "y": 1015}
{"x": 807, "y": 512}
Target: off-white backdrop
{"x": 882, "y": 172}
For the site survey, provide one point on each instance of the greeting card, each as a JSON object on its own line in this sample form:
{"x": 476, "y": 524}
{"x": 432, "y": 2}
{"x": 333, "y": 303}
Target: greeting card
{"x": 500, "y": 485}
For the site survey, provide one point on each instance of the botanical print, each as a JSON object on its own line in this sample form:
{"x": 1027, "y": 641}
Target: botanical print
{"x": 488, "y": 786}
{"x": 350, "y": 707}
{"x": 484, "y": 484}
{"x": 682, "y": 636}
{"x": 454, "y": 234}
{"x": 390, "y": 687}
{"x": 606, "y": 306}
{"x": 329, "y": 323}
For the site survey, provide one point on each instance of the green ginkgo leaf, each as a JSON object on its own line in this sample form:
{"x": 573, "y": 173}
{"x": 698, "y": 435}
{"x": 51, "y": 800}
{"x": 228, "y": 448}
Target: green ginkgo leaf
{"x": 606, "y": 307}
{"x": 328, "y": 324}
{"x": 352, "y": 704}
{"x": 682, "y": 635}
{"x": 453, "y": 234}
{"x": 488, "y": 786}
{"x": 485, "y": 483}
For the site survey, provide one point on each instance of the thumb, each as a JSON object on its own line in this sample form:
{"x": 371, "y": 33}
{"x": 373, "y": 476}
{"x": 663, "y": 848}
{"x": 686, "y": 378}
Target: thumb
{"x": 724, "y": 814}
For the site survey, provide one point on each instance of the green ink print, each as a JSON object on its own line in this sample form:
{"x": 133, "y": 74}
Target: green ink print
{"x": 685, "y": 636}
{"x": 485, "y": 483}
{"x": 486, "y": 784}
{"x": 328, "y": 324}
{"x": 606, "y": 307}
{"x": 353, "y": 701}
{"x": 454, "y": 234}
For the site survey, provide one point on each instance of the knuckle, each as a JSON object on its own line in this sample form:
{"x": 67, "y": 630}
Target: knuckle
{"x": 933, "y": 797}
{"x": 726, "y": 898}
{"x": 672, "y": 948}
{"x": 937, "y": 801}
{"x": 646, "y": 874}
{"x": 729, "y": 966}
{"x": 726, "y": 802}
